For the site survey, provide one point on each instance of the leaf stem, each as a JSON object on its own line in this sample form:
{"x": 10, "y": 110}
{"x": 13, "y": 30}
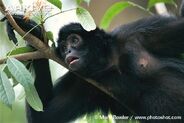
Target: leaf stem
{"x": 140, "y": 7}
{"x": 59, "y": 13}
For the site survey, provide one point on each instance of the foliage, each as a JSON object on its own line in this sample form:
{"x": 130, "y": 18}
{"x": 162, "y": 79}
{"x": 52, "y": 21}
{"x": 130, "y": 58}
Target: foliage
{"x": 80, "y": 1}
{"x": 7, "y": 95}
{"x": 118, "y": 7}
{"x": 23, "y": 76}
{"x": 56, "y": 3}
{"x": 85, "y": 19}
{"x": 20, "y": 50}
{"x": 114, "y": 10}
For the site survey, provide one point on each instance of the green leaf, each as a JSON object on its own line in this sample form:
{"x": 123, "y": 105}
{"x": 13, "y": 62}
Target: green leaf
{"x": 19, "y": 71}
{"x": 9, "y": 75}
{"x": 23, "y": 76}
{"x": 114, "y": 10}
{"x": 7, "y": 95}
{"x": 80, "y": 1}
{"x": 151, "y": 3}
{"x": 85, "y": 19}
{"x": 50, "y": 36}
{"x": 7, "y": 72}
{"x": 56, "y": 3}
{"x": 32, "y": 98}
{"x": 21, "y": 50}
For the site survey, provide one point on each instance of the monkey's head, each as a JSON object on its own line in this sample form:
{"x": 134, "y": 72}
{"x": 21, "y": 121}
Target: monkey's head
{"x": 85, "y": 52}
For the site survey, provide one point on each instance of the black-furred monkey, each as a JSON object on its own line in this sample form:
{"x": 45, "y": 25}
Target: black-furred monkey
{"x": 139, "y": 63}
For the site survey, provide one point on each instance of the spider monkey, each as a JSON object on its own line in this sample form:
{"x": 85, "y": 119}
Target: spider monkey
{"x": 140, "y": 63}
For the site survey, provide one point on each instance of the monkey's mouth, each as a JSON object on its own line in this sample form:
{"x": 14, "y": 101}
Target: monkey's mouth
{"x": 72, "y": 60}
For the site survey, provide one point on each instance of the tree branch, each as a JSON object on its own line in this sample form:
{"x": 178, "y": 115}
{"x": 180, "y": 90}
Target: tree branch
{"x": 26, "y": 56}
{"x": 34, "y": 41}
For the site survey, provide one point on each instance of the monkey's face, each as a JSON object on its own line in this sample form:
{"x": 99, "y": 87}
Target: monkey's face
{"x": 83, "y": 55}
{"x": 73, "y": 52}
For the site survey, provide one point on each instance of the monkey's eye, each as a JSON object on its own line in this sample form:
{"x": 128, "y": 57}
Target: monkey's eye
{"x": 74, "y": 41}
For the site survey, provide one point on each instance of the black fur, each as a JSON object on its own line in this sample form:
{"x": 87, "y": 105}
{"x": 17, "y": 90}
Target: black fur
{"x": 139, "y": 63}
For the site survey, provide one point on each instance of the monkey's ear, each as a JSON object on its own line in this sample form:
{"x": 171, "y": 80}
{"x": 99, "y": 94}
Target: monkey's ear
{"x": 10, "y": 31}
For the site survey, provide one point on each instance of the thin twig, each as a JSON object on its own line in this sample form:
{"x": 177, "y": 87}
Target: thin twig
{"x": 140, "y": 7}
{"x": 59, "y": 13}
{"x": 26, "y": 56}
